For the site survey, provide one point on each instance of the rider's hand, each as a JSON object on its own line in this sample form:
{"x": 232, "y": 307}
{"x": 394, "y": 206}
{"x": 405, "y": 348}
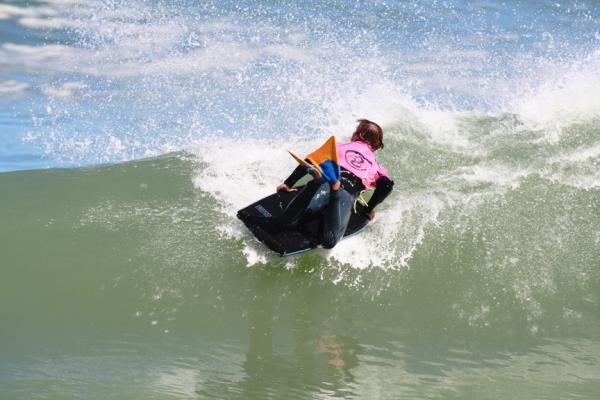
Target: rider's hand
{"x": 285, "y": 188}
{"x": 370, "y": 215}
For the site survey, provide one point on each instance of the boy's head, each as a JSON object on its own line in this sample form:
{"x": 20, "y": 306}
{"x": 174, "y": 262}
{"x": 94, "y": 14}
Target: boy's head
{"x": 370, "y": 133}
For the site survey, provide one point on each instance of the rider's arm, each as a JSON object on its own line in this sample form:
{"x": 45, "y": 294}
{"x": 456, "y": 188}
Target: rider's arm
{"x": 383, "y": 188}
{"x": 298, "y": 173}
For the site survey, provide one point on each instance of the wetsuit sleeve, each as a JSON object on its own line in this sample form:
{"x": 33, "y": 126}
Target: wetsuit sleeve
{"x": 382, "y": 190}
{"x": 298, "y": 173}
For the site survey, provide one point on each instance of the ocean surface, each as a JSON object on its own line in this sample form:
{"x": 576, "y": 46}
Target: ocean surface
{"x": 132, "y": 131}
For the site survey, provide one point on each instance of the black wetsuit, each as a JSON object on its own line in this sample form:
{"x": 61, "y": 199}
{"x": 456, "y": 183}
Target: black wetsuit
{"x": 352, "y": 184}
{"x": 335, "y": 205}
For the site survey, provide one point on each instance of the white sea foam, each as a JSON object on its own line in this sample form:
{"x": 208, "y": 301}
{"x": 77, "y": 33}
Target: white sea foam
{"x": 443, "y": 128}
{"x": 381, "y": 101}
{"x": 129, "y": 58}
{"x": 55, "y": 56}
{"x": 392, "y": 238}
{"x": 577, "y": 168}
{"x": 568, "y": 95}
{"x": 9, "y": 11}
{"x": 498, "y": 175}
{"x": 239, "y": 171}
{"x": 47, "y": 23}
{"x": 64, "y": 90}
{"x": 255, "y": 254}
{"x": 12, "y": 88}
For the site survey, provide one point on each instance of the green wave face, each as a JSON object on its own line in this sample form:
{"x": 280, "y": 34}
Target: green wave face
{"x": 131, "y": 281}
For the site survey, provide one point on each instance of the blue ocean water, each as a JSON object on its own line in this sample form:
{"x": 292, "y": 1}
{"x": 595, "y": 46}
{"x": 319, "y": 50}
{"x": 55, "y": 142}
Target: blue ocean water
{"x": 104, "y": 81}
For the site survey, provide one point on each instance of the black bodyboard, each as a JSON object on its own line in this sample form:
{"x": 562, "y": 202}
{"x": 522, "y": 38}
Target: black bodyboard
{"x": 305, "y": 237}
